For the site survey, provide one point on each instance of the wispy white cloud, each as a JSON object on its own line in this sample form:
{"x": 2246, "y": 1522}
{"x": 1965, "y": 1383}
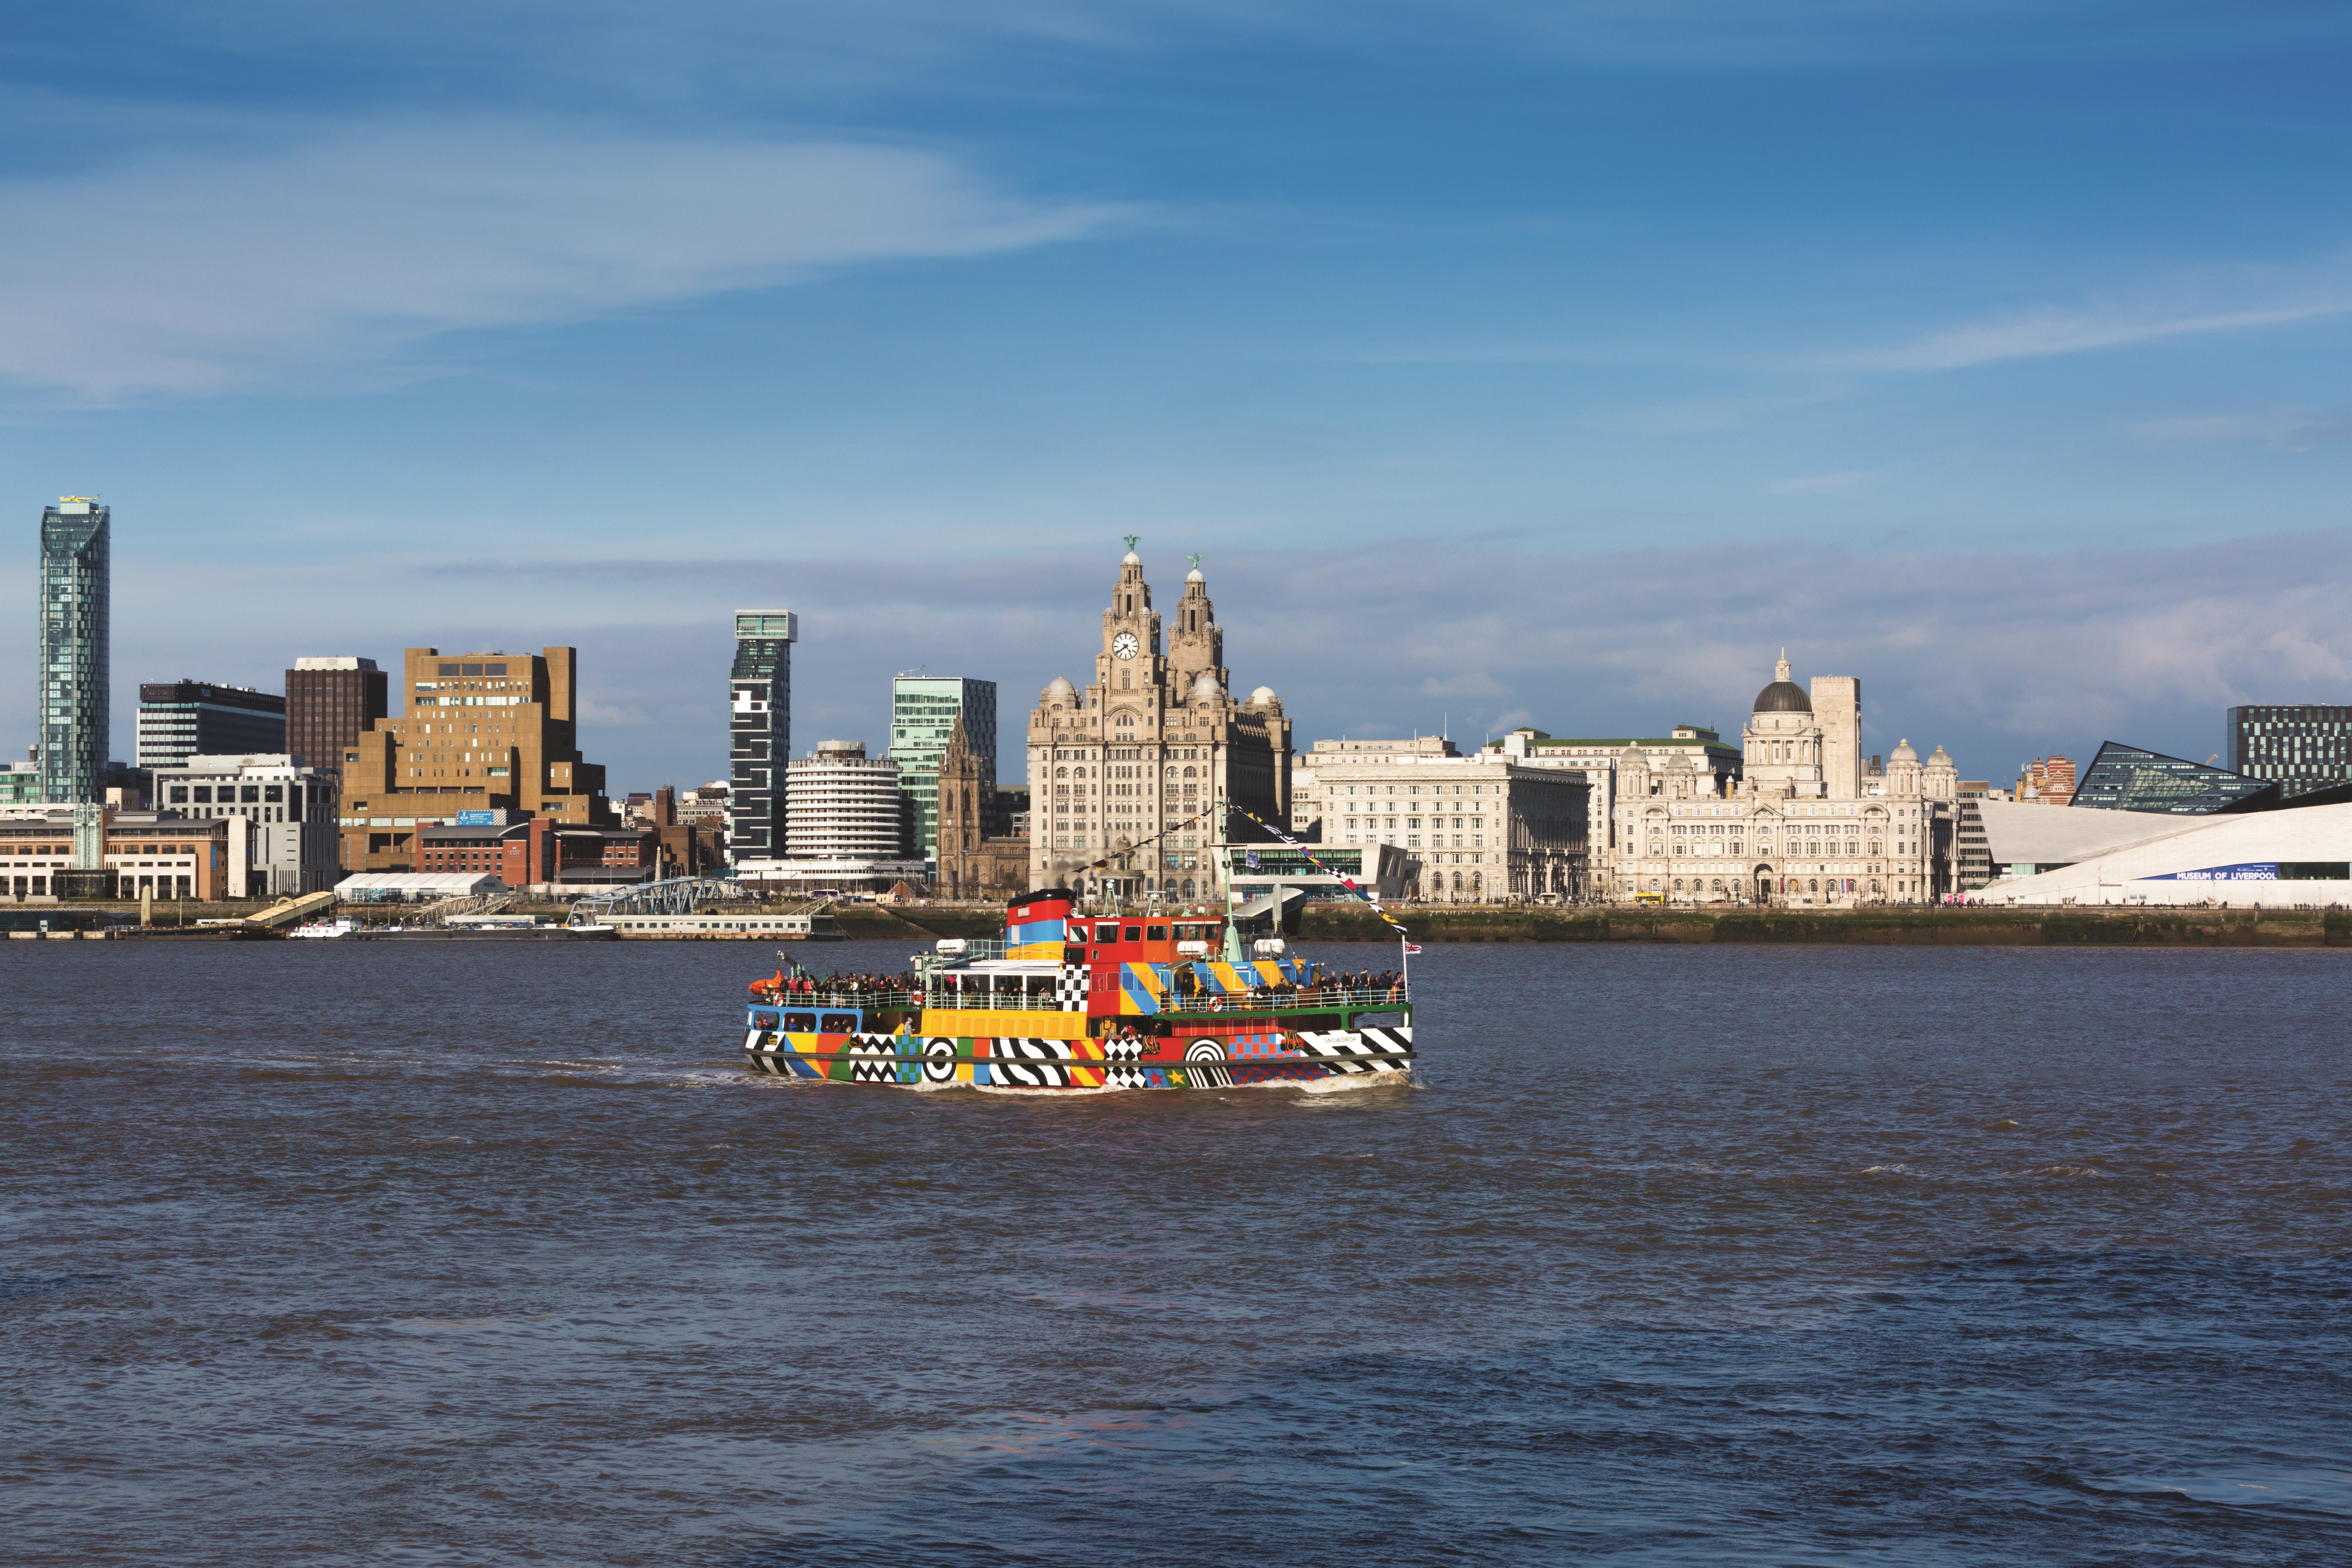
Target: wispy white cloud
{"x": 191, "y": 273}
{"x": 2037, "y": 334}
{"x": 1844, "y": 484}
{"x": 2283, "y": 430}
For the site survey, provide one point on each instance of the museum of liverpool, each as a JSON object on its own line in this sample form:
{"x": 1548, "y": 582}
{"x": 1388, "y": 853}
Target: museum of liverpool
{"x": 2183, "y": 834}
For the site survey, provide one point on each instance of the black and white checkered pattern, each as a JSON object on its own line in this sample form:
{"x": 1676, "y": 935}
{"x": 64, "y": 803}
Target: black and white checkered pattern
{"x": 1127, "y": 1050}
{"x": 1070, "y": 988}
{"x": 1125, "y": 1078}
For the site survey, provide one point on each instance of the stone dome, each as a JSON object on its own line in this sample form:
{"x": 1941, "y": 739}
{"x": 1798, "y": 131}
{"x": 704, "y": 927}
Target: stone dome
{"x": 1784, "y": 695}
{"x": 1205, "y": 688}
{"x": 1058, "y": 690}
{"x": 1941, "y": 759}
{"x": 1130, "y": 559}
{"x": 1264, "y": 697}
{"x": 1903, "y": 752}
{"x": 1196, "y": 575}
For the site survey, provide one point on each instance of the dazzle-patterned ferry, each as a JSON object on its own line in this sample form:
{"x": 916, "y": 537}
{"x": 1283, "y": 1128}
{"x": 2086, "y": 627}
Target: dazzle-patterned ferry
{"x": 1078, "y": 1001}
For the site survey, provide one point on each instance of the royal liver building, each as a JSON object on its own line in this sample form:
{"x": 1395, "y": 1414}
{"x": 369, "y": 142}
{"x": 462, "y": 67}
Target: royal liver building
{"x": 1132, "y": 768}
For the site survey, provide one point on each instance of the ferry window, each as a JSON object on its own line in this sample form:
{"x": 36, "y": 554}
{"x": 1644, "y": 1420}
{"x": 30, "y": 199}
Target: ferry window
{"x": 763, "y": 1020}
{"x": 800, "y": 1022}
{"x": 1135, "y": 933}
{"x": 1158, "y": 933}
{"x": 837, "y": 1024}
{"x": 1077, "y": 933}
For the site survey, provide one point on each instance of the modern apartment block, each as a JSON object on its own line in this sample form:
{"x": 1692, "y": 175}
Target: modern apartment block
{"x": 75, "y": 674}
{"x": 759, "y": 732}
{"x": 331, "y": 702}
{"x": 2300, "y": 746}
{"x": 484, "y": 731}
{"x": 292, "y": 843}
{"x": 924, "y": 709}
{"x": 184, "y": 719}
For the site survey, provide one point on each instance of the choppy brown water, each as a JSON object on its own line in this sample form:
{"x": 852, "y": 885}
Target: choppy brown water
{"x": 364, "y": 1254}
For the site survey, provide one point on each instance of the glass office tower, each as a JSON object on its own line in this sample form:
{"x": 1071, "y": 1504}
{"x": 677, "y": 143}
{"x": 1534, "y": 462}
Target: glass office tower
{"x": 923, "y": 711}
{"x": 759, "y": 732}
{"x": 75, "y": 677}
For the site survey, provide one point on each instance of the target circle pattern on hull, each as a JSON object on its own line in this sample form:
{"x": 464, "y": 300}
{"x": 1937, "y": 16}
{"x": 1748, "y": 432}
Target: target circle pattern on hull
{"x": 1205, "y": 1062}
{"x": 940, "y": 1060}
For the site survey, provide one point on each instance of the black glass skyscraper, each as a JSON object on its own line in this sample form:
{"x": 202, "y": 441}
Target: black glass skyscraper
{"x": 2303, "y": 746}
{"x": 759, "y": 733}
{"x": 76, "y": 675}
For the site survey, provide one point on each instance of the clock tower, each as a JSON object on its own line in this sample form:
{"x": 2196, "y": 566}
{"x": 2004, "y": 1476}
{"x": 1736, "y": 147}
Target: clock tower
{"x": 1132, "y": 770}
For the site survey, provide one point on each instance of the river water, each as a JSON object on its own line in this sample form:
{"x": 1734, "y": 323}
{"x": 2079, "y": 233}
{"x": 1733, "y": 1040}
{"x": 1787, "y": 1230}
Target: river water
{"x": 370, "y": 1254}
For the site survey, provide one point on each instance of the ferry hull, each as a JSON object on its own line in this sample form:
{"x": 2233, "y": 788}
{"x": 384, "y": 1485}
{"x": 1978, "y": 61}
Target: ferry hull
{"x": 1268, "y": 1057}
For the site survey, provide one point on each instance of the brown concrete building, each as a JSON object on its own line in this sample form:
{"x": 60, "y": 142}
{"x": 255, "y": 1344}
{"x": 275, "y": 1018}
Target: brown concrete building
{"x": 331, "y": 703}
{"x": 972, "y": 863}
{"x": 484, "y": 731}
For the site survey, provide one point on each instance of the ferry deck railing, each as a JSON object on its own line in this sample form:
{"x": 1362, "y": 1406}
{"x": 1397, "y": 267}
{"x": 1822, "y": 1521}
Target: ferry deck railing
{"x": 875, "y": 998}
{"x": 1310, "y": 999}
{"x": 1315, "y": 999}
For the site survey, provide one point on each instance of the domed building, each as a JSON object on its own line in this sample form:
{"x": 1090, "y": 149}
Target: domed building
{"x": 1129, "y": 768}
{"x": 1805, "y": 823}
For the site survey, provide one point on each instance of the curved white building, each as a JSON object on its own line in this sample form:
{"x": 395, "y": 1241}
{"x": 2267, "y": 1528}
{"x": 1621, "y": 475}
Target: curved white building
{"x": 844, "y": 824}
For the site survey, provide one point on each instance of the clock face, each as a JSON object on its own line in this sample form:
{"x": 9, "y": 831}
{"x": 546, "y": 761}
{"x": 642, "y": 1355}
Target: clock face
{"x": 1124, "y": 646}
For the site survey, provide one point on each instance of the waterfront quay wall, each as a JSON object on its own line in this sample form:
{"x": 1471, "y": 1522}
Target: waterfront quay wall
{"x": 2053, "y": 927}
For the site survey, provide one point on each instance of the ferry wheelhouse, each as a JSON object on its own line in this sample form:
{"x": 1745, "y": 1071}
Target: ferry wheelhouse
{"x": 1068, "y": 1000}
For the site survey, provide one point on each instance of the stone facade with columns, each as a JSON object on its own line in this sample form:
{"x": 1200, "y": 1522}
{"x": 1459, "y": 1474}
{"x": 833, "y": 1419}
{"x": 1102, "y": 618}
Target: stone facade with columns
{"x": 1146, "y": 750}
{"x": 1801, "y": 826}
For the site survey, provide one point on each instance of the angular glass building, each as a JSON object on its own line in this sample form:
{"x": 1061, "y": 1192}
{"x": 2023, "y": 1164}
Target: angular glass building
{"x": 2127, "y": 778}
{"x": 923, "y": 713}
{"x": 759, "y": 732}
{"x": 75, "y": 674}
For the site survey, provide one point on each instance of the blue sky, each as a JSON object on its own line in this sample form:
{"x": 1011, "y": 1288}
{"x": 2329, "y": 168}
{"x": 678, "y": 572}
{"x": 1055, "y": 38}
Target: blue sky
{"x": 1505, "y": 364}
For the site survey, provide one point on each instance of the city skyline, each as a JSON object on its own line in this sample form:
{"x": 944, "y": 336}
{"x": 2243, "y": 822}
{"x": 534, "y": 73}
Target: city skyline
{"x": 1552, "y": 650}
{"x": 1597, "y": 352}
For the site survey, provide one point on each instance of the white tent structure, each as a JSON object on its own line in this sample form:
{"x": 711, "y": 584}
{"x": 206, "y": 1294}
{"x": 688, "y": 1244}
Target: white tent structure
{"x": 415, "y": 887}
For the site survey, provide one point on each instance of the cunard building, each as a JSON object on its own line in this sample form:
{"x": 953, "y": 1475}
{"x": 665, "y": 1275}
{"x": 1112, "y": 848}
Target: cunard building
{"x": 1132, "y": 768}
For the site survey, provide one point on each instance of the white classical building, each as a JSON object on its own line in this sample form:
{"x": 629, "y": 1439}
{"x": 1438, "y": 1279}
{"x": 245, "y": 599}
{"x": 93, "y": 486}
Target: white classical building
{"x": 1482, "y": 829}
{"x": 1132, "y": 769}
{"x": 1803, "y": 824}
